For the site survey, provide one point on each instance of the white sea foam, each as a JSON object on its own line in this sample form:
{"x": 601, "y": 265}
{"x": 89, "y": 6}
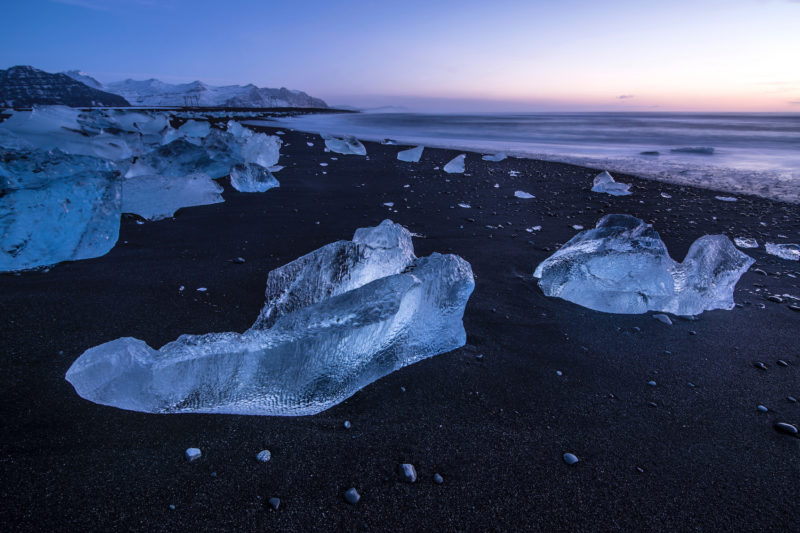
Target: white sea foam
{"x": 752, "y": 153}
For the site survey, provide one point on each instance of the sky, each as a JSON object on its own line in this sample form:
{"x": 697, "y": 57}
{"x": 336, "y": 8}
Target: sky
{"x": 557, "y": 55}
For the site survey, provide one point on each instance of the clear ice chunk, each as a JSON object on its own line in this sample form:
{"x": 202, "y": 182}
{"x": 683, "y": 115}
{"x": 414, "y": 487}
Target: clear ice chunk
{"x": 411, "y": 155}
{"x": 496, "y": 157}
{"x": 345, "y": 145}
{"x": 784, "y": 251}
{"x": 59, "y": 219}
{"x": 180, "y": 158}
{"x": 524, "y": 195}
{"x": 622, "y": 266}
{"x": 315, "y": 355}
{"x": 252, "y": 178}
{"x": 456, "y": 165}
{"x": 194, "y": 129}
{"x": 156, "y": 197}
{"x": 605, "y": 183}
{"x": 261, "y": 149}
{"x": 745, "y": 242}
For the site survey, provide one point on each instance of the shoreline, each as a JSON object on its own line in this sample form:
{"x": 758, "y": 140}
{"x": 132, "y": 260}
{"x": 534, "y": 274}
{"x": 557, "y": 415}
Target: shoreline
{"x": 494, "y": 427}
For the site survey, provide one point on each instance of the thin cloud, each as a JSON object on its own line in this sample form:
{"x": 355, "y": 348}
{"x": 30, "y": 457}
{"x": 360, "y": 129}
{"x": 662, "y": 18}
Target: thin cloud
{"x": 794, "y": 102}
{"x": 625, "y": 96}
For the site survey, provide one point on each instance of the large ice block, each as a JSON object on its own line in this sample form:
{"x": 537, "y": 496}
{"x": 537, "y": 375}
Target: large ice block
{"x": 155, "y": 197}
{"x": 64, "y": 219}
{"x": 323, "y": 350}
{"x": 622, "y": 266}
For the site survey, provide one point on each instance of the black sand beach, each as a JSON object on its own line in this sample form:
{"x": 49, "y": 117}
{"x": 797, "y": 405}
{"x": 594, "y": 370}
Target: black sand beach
{"x": 669, "y": 457}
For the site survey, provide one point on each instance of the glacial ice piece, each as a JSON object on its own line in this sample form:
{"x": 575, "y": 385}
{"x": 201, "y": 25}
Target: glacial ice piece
{"x": 784, "y": 251}
{"x": 622, "y": 266}
{"x": 59, "y": 219}
{"x": 727, "y": 198}
{"x": 51, "y": 127}
{"x": 194, "y": 129}
{"x": 333, "y": 336}
{"x": 261, "y": 149}
{"x": 745, "y": 242}
{"x": 411, "y": 155}
{"x": 252, "y": 178}
{"x": 524, "y": 195}
{"x": 603, "y": 182}
{"x": 180, "y": 158}
{"x": 155, "y": 197}
{"x": 35, "y": 168}
{"x": 346, "y": 145}
{"x": 456, "y": 165}
{"x": 496, "y": 157}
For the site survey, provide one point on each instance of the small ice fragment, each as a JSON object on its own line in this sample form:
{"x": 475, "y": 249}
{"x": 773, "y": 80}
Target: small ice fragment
{"x": 523, "y": 194}
{"x": 263, "y": 456}
{"x": 275, "y": 168}
{"x": 456, "y": 165}
{"x": 309, "y": 143}
{"x": 352, "y": 496}
{"x": 513, "y": 173}
{"x": 192, "y": 454}
{"x": 745, "y": 242}
{"x": 390, "y": 142}
{"x": 665, "y": 195}
{"x": 726, "y": 198}
{"x": 496, "y": 157}
{"x": 605, "y": 183}
{"x": 388, "y": 204}
{"x": 412, "y": 155}
{"x": 323, "y": 164}
{"x": 577, "y": 227}
{"x": 622, "y": 266}
{"x": 465, "y": 206}
{"x": 251, "y": 177}
{"x": 201, "y": 289}
{"x": 496, "y": 185}
{"x": 345, "y": 145}
{"x": 784, "y": 251}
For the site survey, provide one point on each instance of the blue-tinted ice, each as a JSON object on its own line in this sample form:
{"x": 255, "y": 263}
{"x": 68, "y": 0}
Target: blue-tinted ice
{"x": 622, "y": 266}
{"x": 335, "y": 320}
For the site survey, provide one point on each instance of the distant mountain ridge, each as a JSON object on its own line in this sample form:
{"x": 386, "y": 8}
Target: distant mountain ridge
{"x": 156, "y": 93}
{"x": 25, "y": 86}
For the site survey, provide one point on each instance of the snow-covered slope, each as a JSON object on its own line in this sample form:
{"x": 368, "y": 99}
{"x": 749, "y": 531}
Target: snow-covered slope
{"x": 156, "y": 93}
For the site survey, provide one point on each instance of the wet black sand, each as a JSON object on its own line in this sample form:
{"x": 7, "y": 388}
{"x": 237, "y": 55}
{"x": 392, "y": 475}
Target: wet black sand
{"x": 670, "y": 457}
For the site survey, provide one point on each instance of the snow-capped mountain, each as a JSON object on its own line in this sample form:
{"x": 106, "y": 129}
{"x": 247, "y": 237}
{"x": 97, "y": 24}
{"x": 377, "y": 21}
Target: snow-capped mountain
{"x": 155, "y": 93}
{"x": 25, "y": 86}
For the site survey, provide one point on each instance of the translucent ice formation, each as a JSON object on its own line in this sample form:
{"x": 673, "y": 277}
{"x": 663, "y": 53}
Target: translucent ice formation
{"x": 156, "y": 197}
{"x": 622, "y": 266}
{"x": 252, "y": 178}
{"x": 60, "y": 217}
{"x": 524, "y": 195}
{"x": 456, "y": 165}
{"x": 411, "y": 155}
{"x": 784, "y": 251}
{"x": 604, "y": 182}
{"x": 343, "y": 317}
{"x": 496, "y": 157}
{"x": 346, "y": 145}
{"x": 745, "y": 242}
{"x": 261, "y": 149}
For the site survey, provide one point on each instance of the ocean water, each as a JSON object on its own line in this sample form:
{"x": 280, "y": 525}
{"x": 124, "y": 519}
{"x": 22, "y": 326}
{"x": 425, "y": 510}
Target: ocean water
{"x": 753, "y": 153}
